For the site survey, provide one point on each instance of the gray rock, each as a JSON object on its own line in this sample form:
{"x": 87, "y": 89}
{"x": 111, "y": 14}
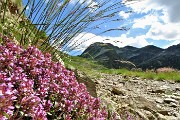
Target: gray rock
{"x": 163, "y": 117}
{"x": 165, "y": 87}
{"x": 169, "y": 100}
{"x": 172, "y": 104}
{"x": 141, "y": 114}
{"x": 177, "y": 88}
{"x": 176, "y": 115}
{"x": 176, "y": 94}
{"x": 149, "y": 115}
{"x": 150, "y": 99}
{"x": 162, "y": 89}
{"x": 133, "y": 81}
{"x": 164, "y": 112}
{"x": 176, "y": 97}
{"x": 172, "y": 82}
{"x": 118, "y": 91}
{"x": 159, "y": 101}
{"x": 158, "y": 91}
{"x": 143, "y": 103}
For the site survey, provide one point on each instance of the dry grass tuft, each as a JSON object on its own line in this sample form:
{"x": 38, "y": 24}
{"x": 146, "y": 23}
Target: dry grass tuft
{"x": 165, "y": 69}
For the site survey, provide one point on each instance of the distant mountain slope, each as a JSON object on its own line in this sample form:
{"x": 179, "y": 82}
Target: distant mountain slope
{"x": 104, "y": 53}
{"x": 144, "y": 54}
{"x": 148, "y": 57}
{"x": 169, "y": 57}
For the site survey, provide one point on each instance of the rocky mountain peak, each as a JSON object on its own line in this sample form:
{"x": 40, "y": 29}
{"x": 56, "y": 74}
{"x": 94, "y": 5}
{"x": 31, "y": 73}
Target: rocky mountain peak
{"x": 148, "y": 57}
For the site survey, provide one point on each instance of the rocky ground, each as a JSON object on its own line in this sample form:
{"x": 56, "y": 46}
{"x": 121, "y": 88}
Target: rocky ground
{"x": 149, "y": 99}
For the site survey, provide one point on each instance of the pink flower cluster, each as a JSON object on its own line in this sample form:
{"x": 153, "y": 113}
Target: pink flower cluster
{"x": 32, "y": 86}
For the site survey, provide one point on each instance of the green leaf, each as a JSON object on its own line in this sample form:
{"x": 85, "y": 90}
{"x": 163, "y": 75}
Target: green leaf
{"x": 5, "y": 114}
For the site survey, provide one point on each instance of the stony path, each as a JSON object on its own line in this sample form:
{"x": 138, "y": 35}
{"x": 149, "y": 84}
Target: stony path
{"x": 150, "y": 99}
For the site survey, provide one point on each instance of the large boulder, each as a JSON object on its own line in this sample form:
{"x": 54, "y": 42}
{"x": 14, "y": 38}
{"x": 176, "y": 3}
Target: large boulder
{"x": 90, "y": 85}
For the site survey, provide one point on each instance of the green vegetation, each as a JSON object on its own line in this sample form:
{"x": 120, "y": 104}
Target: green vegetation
{"x": 52, "y": 26}
{"x": 24, "y": 32}
{"x": 146, "y": 75}
{"x": 18, "y": 3}
{"x": 92, "y": 68}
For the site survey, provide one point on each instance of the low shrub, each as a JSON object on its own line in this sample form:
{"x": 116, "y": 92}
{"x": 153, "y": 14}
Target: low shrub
{"x": 34, "y": 87}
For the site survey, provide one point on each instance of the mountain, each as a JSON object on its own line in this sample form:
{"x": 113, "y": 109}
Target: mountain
{"x": 169, "y": 57}
{"x": 148, "y": 57}
{"x": 144, "y": 54}
{"x": 104, "y": 53}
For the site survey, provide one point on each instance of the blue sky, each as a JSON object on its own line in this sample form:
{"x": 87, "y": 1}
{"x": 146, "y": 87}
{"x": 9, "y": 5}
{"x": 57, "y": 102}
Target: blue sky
{"x": 151, "y": 22}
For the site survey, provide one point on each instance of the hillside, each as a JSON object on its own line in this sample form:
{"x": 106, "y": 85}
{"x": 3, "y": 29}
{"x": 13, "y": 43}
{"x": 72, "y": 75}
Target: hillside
{"x": 131, "y": 94}
{"x": 148, "y": 57}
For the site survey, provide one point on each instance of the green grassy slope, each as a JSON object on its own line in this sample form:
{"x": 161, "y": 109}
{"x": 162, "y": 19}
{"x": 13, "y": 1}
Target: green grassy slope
{"x": 93, "y": 69}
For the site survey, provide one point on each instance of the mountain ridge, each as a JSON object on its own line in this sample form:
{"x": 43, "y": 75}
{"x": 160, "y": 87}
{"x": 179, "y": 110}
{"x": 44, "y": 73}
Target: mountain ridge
{"x": 148, "y": 57}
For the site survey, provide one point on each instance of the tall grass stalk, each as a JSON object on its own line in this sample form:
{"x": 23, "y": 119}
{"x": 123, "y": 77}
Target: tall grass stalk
{"x": 64, "y": 20}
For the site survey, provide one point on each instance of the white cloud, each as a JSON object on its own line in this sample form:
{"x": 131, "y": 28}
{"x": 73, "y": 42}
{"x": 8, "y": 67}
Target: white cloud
{"x": 160, "y": 27}
{"x": 142, "y": 6}
{"x": 159, "y": 31}
{"x": 145, "y": 21}
{"x": 121, "y": 41}
{"x": 161, "y": 16}
{"x": 92, "y": 5}
{"x": 138, "y": 41}
{"x": 124, "y": 14}
{"x": 172, "y": 8}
